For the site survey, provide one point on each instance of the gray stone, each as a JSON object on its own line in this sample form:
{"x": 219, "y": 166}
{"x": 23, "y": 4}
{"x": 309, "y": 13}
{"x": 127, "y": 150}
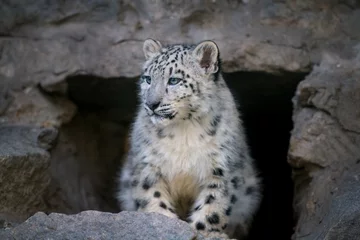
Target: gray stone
{"x": 325, "y": 153}
{"x": 33, "y": 107}
{"x": 46, "y": 42}
{"x": 24, "y": 175}
{"x": 100, "y": 225}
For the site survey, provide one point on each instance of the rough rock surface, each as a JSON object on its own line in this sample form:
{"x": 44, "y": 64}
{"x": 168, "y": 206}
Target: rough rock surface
{"x": 104, "y": 37}
{"x": 24, "y": 169}
{"x": 33, "y": 107}
{"x": 99, "y": 225}
{"x": 46, "y": 45}
{"x": 325, "y": 153}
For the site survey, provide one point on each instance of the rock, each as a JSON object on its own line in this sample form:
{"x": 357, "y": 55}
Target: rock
{"x": 46, "y": 42}
{"x": 324, "y": 151}
{"x": 24, "y": 164}
{"x": 100, "y": 225}
{"x": 46, "y": 45}
{"x": 31, "y": 106}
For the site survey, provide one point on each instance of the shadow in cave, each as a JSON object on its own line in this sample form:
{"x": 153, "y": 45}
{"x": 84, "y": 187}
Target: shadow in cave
{"x": 266, "y": 107}
{"x": 265, "y": 103}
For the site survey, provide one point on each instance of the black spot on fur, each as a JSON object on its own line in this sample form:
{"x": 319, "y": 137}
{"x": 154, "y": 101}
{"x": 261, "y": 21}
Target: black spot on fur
{"x": 172, "y": 116}
{"x": 213, "y": 154}
{"x": 134, "y": 183}
{"x": 215, "y": 121}
{"x": 213, "y": 185}
{"x": 228, "y": 211}
{"x": 209, "y": 199}
{"x": 224, "y": 227}
{"x": 225, "y": 192}
{"x": 141, "y": 203}
{"x": 197, "y": 208}
{"x": 200, "y": 226}
{"x": 249, "y": 190}
{"x": 163, "y": 205}
{"x": 213, "y": 219}
{"x": 157, "y": 194}
{"x": 211, "y": 132}
{"x": 233, "y": 199}
{"x": 198, "y": 87}
{"x": 146, "y": 141}
{"x": 192, "y": 87}
{"x": 170, "y": 71}
{"x": 214, "y": 230}
{"x": 218, "y": 172}
{"x": 234, "y": 164}
{"x": 160, "y": 133}
{"x": 235, "y": 182}
{"x": 137, "y": 203}
{"x": 147, "y": 183}
{"x": 171, "y": 210}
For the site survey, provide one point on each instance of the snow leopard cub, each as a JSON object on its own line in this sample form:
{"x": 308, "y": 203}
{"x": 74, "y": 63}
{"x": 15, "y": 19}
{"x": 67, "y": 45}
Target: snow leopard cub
{"x": 188, "y": 155}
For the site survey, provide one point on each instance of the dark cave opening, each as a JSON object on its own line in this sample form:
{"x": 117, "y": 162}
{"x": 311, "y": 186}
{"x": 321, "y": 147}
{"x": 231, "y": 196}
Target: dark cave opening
{"x": 266, "y": 107}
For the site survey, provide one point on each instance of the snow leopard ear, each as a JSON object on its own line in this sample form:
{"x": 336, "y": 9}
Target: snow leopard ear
{"x": 151, "y": 48}
{"x": 206, "y": 54}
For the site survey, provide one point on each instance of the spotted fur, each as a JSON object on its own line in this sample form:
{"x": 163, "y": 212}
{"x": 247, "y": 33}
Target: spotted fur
{"x": 188, "y": 155}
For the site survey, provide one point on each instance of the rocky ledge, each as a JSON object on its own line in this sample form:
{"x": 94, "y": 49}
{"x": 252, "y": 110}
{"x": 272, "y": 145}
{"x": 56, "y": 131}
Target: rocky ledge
{"x": 100, "y": 225}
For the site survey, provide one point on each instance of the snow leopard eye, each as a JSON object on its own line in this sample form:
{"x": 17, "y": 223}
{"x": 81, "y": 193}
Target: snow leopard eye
{"x": 147, "y": 79}
{"x": 174, "y": 81}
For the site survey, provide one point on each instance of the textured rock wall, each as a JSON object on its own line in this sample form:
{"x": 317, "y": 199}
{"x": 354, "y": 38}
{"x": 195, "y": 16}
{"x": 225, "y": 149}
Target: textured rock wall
{"x": 325, "y": 151}
{"x": 104, "y": 37}
{"x": 45, "y": 138}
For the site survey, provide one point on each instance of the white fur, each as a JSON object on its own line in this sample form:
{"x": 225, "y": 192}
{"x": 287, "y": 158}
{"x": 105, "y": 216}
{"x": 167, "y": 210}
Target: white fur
{"x": 189, "y": 151}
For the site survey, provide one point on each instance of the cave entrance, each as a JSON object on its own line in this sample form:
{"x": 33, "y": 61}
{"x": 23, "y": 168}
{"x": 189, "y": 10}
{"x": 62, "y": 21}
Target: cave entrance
{"x": 266, "y": 107}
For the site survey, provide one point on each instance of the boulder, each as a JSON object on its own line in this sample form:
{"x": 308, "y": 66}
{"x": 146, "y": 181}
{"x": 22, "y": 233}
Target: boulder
{"x": 100, "y": 225}
{"x": 324, "y": 151}
{"x": 46, "y": 46}
{"x": 45, "y": 42}
{"x": 24, "y": 169}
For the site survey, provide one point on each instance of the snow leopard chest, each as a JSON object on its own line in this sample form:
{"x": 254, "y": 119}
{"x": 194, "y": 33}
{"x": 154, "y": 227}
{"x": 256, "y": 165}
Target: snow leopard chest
{"x": 188, "y": 151}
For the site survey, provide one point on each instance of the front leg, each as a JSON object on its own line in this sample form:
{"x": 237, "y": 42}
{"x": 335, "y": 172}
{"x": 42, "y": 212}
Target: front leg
{"x": 210, "y": 212}
{"x": 150, "y": 192}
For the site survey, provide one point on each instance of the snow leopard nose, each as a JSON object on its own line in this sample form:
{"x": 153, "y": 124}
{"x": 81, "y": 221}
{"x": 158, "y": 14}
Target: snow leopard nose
{"x": 152, "y": 105}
